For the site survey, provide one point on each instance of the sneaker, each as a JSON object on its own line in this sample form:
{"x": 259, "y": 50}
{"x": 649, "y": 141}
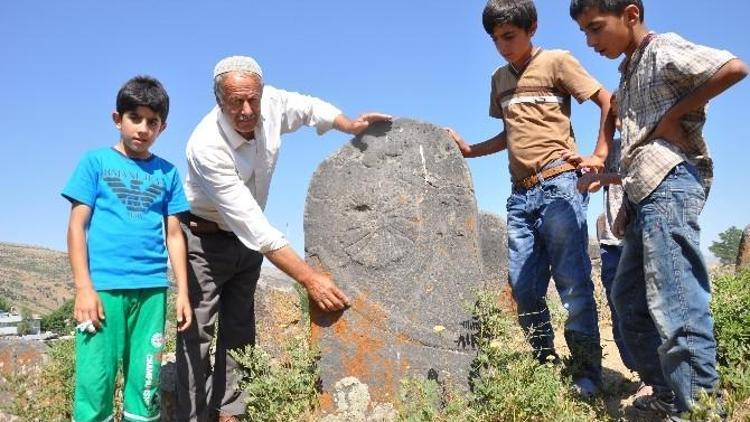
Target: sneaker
{"x": 585, "y": 387}
{"x": 654, "y": 403}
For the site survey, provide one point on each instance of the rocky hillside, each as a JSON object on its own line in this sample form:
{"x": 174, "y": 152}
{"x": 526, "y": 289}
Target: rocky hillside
{"x": 33, "y": 277}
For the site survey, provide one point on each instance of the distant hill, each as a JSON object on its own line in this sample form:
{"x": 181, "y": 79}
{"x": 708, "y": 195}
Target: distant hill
{"x": 34, "y": 277}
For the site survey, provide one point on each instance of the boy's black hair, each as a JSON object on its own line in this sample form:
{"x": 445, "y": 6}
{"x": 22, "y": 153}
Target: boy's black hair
{"x": 143, "y": 91}
{"x": 608, "y": 6}
{"x": 520, "y": 13}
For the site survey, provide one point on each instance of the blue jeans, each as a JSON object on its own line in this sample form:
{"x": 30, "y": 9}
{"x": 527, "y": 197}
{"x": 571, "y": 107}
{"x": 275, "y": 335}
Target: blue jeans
{"x": 662, "y": 291}
{"x": 547, "y": 236}
{"x": 610, "y": 259}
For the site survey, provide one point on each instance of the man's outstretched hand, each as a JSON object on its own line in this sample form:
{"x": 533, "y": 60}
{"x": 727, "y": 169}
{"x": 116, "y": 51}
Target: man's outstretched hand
{"x": 322, "y": 290}
{"x": 361, "y": 123}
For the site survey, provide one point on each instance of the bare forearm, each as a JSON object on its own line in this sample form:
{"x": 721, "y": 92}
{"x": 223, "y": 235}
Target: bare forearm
{"x": 77, "y": 249}
{"x": 729, "y": 74}
{"x": 343, "y": 124}
{"x": 177, "y": 250}
{"x": 321, "y": 289}
{"x": 610, "y": 179}
{"x": 287, "y": 260}
{"x": 78, "y": 256}
{"x": 606, "y": 123}
{"x": 495, "y": 144}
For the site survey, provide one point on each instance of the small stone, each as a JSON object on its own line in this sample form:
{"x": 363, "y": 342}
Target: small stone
{"x": 383, "y": 412}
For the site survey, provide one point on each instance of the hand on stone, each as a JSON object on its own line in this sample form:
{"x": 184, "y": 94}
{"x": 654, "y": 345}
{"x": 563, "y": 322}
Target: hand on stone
{"x": 325, "y": 294}
{"x": 462, "y": 145}
{"x": 361, "y": 123}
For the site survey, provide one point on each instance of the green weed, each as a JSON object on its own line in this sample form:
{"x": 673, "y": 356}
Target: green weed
{"x": 279, "y": 390}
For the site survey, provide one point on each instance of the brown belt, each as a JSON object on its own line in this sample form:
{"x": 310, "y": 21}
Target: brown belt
{"x": 549, "y": 173}
{"x": 199, "y": 225}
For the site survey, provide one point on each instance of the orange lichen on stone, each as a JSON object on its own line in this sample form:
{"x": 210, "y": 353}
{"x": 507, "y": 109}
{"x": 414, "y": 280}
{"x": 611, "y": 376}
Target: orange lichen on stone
{"x": 326, "y": 401}
{"x": 363, "y": 333}
{"x": 471, "y": 223}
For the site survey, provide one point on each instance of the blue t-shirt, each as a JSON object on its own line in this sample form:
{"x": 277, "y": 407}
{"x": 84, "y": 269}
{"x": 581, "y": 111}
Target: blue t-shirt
{"x": 129, "y": 199}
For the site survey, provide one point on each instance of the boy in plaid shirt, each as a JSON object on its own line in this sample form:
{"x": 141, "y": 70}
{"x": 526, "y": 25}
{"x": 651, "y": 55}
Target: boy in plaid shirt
{"x": 661, "y": 290}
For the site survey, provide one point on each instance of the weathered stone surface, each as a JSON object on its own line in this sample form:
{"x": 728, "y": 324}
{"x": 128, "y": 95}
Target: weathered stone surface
{"x": 392, "y": 216}
{"x": 352, "y": 401}
{"x": 493, "y": 240}
{"x": 15, "y": 354}
{"x": 743, "y": 254}
{"x": 493, "y": 237}
{"x": 18, "y": 357}
{"x": 278, "y": 312}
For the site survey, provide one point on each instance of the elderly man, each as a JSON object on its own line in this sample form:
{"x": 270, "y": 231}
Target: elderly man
{"x": 231, "y": 156}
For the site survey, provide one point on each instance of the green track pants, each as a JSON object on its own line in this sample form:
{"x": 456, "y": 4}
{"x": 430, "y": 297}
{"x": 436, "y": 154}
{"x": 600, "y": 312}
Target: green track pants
{"x": 132, "y": 335}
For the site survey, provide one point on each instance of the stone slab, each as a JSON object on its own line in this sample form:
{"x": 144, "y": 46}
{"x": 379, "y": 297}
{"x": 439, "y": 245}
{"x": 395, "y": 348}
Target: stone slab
{"x": 493, "y": 238}
{"x": 393, "y": 217}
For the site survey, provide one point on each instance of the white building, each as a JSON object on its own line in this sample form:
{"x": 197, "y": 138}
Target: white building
{"x": 9, "y": 322}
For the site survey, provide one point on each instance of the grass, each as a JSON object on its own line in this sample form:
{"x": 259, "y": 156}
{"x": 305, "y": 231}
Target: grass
{"x": 508, "y": 385}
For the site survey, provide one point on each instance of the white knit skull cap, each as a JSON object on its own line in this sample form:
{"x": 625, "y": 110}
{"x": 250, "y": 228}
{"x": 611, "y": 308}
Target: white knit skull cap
{"x": 238, "y": 64}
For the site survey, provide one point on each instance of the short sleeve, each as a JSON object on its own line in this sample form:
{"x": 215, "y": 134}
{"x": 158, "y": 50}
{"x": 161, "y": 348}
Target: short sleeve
{"x": 573, "y": 79}
{"x": 176, "y": 200}
{"x": 496, "y": 109}
{"x": 83, "y": 183}
{"x": 688, "y": 65}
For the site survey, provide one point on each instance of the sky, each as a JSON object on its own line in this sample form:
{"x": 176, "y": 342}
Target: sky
{"x": 63, "y": 62}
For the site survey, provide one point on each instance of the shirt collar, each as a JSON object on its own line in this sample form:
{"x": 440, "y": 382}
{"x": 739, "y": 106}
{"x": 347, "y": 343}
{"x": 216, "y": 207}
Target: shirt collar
{"x": 518, "y": 72}
{"x": 234, "y": 139}
{"x": 635, "y": 57}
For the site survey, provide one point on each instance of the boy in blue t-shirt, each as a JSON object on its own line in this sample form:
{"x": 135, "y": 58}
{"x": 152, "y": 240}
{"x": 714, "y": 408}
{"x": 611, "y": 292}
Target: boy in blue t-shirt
{"x": 123, "y": 222}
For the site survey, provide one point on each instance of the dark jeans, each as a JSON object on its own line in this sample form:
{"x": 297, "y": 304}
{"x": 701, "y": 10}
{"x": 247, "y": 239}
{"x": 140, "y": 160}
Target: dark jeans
{"x": 547, "y": 236}
{"x": 610, "y": 259}
{"x": 662, "y": 291}
{"x": 222, "y": 276}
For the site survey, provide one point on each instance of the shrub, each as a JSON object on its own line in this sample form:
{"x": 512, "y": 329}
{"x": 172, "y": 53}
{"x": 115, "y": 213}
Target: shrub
{"x": 279, "y": 390}
{"x": 60, "y": 321}
{"x": 4, "y": 304}
{"x": 509, "y": 384}
{"x": 424, "y": 400}
{"x": 731, "y": 298}
{"x": 46, "y": 393}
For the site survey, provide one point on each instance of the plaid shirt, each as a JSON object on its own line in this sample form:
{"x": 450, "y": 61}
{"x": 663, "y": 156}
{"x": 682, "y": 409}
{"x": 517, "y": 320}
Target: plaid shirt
{"x": 662, "y": 71}
{"x": 613, "y": 197}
